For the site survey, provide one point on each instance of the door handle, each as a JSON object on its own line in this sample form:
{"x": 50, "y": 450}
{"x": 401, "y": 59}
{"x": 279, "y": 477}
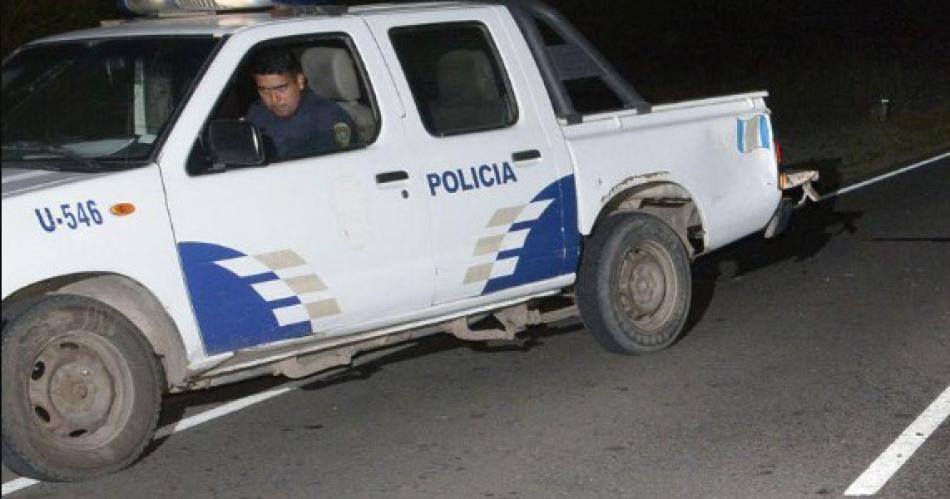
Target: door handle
{"x": 390, "y": 177}
{"x": 526, "y": 155}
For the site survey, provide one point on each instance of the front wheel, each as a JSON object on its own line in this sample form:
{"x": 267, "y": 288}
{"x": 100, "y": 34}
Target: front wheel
{"x": 81, "y": 390}
{"x": 634, "y": 284}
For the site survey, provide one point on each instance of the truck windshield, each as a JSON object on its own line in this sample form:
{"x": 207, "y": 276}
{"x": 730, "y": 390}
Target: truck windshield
{"x": 91, "y": 105}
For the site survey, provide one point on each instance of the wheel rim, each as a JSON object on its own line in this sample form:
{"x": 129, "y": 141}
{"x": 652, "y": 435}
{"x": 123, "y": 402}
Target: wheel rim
{"x": 78, "y": 390}
{"x": 647, "y": 289}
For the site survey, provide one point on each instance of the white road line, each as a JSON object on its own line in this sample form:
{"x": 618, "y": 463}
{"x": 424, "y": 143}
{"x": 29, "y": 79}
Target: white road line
{"x": 228, "y": 408}
{"x": 190, "y": 422}
{"x": 887, "y": 464}
{"x": 885, "y": 176}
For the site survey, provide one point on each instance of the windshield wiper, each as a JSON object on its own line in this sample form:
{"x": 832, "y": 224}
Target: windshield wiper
{"x": 24, "y": 149}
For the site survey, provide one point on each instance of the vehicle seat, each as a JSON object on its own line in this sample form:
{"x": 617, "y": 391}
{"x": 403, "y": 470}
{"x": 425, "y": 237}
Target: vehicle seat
{"x": 468, "y": 94}
{"x": 331, "y": 73}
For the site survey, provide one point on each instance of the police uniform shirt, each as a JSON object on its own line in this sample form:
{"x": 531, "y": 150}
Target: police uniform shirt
{"x": 319, "y": 126}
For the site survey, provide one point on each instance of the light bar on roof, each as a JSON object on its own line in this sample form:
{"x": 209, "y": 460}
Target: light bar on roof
{"x": 156, "y": 7}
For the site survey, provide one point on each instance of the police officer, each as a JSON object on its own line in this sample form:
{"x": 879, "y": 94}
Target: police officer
{"x": 294, "y": 121}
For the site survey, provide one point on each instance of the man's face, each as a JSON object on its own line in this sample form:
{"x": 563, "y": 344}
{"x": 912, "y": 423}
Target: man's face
{"x": 281, "y": 93}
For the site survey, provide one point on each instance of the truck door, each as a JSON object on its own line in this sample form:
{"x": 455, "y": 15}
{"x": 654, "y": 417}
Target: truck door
{"x": 495, "y": 192}
{"x": 324, "y": 244}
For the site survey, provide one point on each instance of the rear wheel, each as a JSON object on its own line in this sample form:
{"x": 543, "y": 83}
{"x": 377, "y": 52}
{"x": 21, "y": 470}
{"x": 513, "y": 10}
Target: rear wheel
{"x": 81, "y": 390}
{"x": 634, "y": 285}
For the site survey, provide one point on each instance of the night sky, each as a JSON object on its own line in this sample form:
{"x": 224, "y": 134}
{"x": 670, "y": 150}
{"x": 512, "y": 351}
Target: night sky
{"x": 717, "y": 44}
{"x": 821, "y": 60}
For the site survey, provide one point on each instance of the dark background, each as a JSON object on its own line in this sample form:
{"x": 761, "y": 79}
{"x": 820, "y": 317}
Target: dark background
{"x": 827, "y": 64}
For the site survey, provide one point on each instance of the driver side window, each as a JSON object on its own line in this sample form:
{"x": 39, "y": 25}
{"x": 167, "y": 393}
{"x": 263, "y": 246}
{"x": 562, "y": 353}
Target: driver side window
{"x": 307, "y": 97}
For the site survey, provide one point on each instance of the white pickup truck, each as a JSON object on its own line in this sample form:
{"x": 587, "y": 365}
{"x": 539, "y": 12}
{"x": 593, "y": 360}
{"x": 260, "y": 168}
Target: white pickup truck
{"x": 496, "y": 168}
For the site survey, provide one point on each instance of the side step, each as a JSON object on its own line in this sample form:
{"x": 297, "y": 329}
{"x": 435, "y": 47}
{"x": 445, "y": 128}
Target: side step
{"x": 511, "y": 321}
{"x": 301, "y": 360}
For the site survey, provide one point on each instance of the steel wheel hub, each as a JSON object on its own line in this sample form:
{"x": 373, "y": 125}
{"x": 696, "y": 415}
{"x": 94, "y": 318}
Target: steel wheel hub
{"x": 645, "y": 285}
{"x": 72, "y": 387}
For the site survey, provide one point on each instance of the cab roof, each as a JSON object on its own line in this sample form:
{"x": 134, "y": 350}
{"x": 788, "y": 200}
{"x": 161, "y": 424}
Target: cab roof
{"x": 221, "y": 24}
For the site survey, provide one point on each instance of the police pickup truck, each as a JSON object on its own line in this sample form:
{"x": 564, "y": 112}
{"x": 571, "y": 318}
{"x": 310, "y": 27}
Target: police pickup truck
{"x": 495, "y": 168}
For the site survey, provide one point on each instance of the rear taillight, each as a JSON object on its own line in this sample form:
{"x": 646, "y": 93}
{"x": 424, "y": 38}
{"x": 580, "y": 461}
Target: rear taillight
{"x": 778, "y": 152}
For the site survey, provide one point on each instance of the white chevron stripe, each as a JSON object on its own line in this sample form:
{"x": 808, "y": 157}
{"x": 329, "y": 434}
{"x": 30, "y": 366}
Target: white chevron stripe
{"x": 504, "y": 268}
{"x": 514, "y": 240}
{"x": 293, "y": 314}
{"x": 534, "y": 210}
{"x": 245, "y": 266}
{"x": 273, "y": 290}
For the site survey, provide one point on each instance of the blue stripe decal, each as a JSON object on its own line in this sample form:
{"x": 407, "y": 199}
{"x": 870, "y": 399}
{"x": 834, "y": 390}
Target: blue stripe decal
{"x": 286, "y": 302}
{"x": 764, "y": 134}
{"x": 552, "y": 247}
{"x": 230, "y": 314}
{"x": 504, "y": 255}
{"x": 259, "y": 278}
{"x": 523, "y": 226}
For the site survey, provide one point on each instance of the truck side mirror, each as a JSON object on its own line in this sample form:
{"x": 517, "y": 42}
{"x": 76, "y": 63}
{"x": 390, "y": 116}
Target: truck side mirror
{"x": 235, "y": 143}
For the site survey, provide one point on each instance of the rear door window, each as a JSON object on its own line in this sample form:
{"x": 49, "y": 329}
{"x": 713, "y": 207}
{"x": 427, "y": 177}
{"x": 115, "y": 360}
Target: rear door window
{"x": 456, "y": 77}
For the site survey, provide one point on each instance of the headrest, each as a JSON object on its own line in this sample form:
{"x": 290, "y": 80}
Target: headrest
{"x": 466, "y": 77}
{"x": 331, "y": 73}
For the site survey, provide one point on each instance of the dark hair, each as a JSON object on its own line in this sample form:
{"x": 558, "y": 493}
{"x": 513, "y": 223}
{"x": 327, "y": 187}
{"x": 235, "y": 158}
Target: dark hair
{"x": 275, "y": 60}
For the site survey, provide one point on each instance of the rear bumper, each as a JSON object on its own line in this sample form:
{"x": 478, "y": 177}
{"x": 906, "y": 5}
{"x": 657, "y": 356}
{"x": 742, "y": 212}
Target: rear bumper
{"x": 792, "y": 181}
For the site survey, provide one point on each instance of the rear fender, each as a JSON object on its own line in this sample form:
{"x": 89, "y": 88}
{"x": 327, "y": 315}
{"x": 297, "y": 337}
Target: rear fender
{"x": 668, "y": 201}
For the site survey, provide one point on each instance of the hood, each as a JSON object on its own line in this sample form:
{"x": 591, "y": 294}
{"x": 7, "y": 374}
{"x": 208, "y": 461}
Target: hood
{"x": 20, "y": 181}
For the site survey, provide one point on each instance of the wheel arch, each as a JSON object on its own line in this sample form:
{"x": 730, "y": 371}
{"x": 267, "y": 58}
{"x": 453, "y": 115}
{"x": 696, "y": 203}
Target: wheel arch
{"x": 670, "y": 202}
{"x": 126, "y": 295}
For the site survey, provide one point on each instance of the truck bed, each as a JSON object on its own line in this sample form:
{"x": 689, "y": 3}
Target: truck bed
{"x": 694, "y": 145}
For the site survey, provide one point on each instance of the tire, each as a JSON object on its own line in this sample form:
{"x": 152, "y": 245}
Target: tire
{"x": 81, "y": 390}
{"x": 634, "y": 284}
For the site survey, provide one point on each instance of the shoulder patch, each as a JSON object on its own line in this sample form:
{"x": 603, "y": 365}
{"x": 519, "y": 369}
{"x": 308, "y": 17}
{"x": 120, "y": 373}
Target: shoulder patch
{"x": 343, "y": 134}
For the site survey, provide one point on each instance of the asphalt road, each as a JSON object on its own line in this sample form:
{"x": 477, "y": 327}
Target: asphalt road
{"x": 806, "y": 358}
